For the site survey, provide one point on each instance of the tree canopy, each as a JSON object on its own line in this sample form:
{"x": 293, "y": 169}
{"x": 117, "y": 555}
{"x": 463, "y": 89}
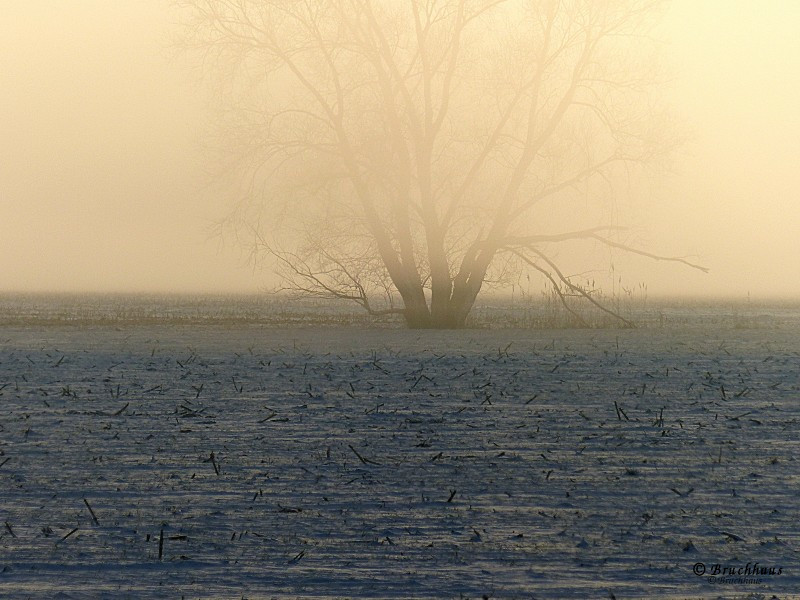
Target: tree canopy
{"x": 403, "y": 153}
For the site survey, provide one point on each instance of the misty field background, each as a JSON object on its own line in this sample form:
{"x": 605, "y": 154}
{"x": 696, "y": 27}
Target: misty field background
{"x": 537, "y": 175}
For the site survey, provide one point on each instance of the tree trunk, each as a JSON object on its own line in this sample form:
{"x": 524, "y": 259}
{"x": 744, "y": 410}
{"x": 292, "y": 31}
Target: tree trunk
{"x": 468, "y": 285}
{"x": 453, "y": 316}
{"x": 451, "y": 300}
{"x": 418, "y": 317}
{"x": 416, "y": 311}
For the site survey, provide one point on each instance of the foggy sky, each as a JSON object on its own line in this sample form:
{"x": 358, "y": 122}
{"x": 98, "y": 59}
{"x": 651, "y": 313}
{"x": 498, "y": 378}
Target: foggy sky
{"x": 101, "y": 177}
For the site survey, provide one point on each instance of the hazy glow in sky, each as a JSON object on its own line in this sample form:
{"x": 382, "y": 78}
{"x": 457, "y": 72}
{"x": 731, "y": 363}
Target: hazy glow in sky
{"x": 101, "y": 177}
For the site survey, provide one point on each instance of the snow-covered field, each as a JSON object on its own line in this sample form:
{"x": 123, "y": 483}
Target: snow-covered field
{"x": 162, "y": 461}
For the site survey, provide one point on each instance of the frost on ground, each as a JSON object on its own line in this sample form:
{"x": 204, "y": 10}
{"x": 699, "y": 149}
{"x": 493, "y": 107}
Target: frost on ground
{"x": 242, "y": 461}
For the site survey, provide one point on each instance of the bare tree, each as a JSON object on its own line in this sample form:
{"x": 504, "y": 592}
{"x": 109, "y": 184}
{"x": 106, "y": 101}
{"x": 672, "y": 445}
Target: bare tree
{"x": 399, "y": 153}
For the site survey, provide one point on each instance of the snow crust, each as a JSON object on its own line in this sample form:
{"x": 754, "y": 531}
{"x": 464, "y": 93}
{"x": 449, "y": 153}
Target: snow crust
{"x": 382, "y": 463}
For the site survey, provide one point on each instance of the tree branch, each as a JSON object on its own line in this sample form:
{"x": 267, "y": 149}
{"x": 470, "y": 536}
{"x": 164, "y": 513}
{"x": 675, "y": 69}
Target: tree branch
{"x": 577, "y": 289}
